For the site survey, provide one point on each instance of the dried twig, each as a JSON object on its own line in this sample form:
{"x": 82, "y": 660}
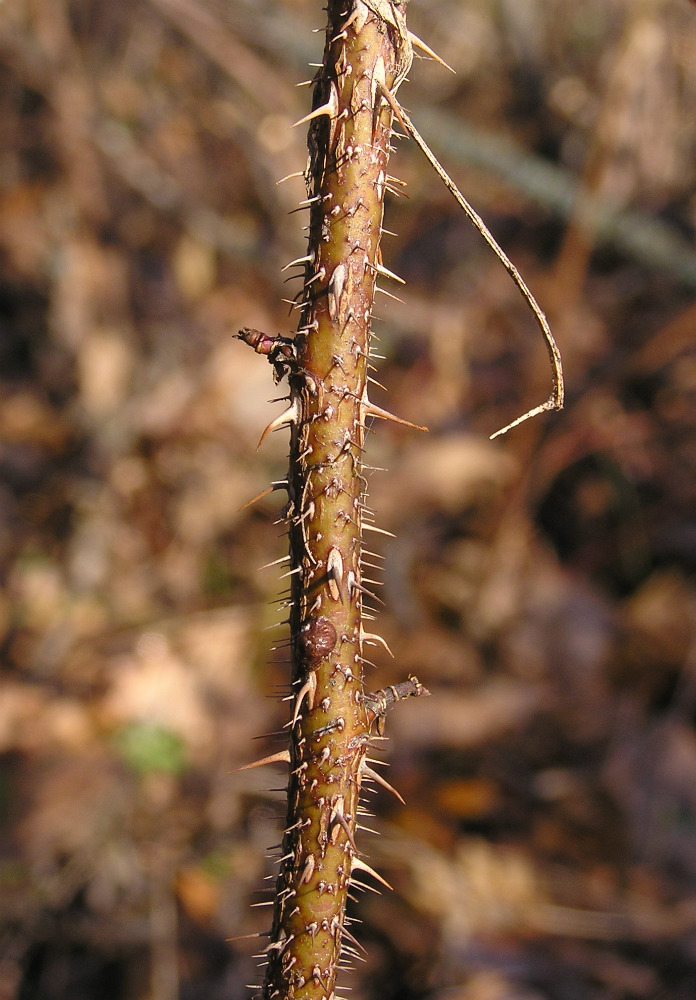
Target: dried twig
{"x": 555, "y": 400}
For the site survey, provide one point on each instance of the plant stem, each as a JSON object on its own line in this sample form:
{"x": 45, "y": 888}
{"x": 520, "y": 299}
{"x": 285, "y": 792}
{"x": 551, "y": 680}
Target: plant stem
{"x": 346, "y": 180}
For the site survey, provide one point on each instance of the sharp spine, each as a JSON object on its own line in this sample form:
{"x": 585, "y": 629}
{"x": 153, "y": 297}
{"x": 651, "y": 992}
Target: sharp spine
{"x": 369, "y": 773}
{"x": 296, "y": 173}
{"x": 280, "y": 485}
{"x": 274, "y": 758}
{"x": 307, "y": 259}
{"x": 289, "y": 416}
{"x": 372, "y": 639}
{"x": 330, "y": 109}
{"x": 420, "y": 44}
{"x": 307, "y": 690}
{"x": 389, "y": 295}
{"x": 372, "y": 410}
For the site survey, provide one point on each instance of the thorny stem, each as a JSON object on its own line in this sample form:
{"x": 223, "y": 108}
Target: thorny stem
{"x": 367, "y": 48}
{"x": 367, "y": 55}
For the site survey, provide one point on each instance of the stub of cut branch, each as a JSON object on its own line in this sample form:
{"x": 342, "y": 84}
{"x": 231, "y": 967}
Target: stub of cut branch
{"x": 379, "y": 702}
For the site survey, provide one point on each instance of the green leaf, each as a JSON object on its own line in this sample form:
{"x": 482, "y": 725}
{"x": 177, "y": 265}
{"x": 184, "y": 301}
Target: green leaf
{"x": 146, "y": 747}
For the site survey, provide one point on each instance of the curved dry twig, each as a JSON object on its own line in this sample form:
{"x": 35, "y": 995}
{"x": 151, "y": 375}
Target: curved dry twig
{"x": 555, "y": 400}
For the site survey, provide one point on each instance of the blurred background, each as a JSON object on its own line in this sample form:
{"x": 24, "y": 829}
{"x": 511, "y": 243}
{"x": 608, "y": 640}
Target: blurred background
{"x": 541, "y": 586}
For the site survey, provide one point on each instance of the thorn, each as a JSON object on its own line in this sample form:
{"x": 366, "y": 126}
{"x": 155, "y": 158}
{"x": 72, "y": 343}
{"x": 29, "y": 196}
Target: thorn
{"x": 379, "y": 531}
{"x": 278, "y": 945}
{"x": 319, "y": 276}
{"x": 259, "y": 496}
{"x": 308, "y": 870}
{"x": 368, "y": 593}
{"x": 381, "y": 269}
{"x": 420, "y": 44}
{"x": 268, "y": 736}
{"x": 309, "y": 688}
{"x": 280, "y": 861}
{"x": 296, "y": 173}
{"x": 335, "y": 291}
{"x": 367, "y": 829}
{"x": 277, "y": 562}
{"x": 369, "y": 773}
{"x": 298, "y": 569}
{"x": 394, "y": 105}
{"x": 345, "y": 933}
{"x": 372, "y": 639}
{"x": 264, "y": 493}
{"x": 372, "y": 410}
{"x": 334, "y": 569}
{"x": 363, "y": 885}
{"x": 248, "y": 937}
{"x": 298, "y": 260}
{"x": 341, "y": 819}
{"x": 275, "y": 758}
{"x": 330, "y": 109}
{"x": 389, "y": 296}
{"x": 366, "y": 662}
{"x": 289, "y": 416}
{"x": 325, "y": 109}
